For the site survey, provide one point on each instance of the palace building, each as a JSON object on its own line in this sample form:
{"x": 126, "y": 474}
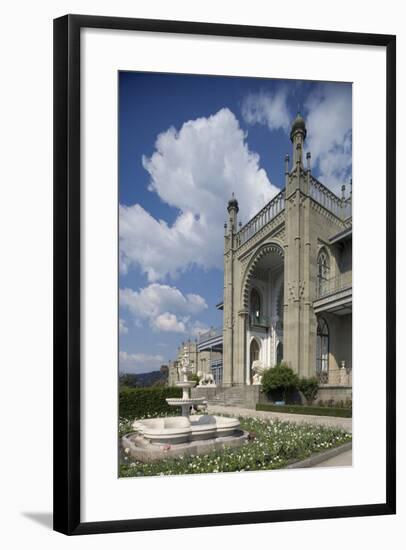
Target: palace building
{"x": 287, "y": 285}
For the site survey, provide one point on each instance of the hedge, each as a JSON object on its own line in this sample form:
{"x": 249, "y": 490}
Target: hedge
{"x": 303, "y": 409}
{"x": 140, "y": 402}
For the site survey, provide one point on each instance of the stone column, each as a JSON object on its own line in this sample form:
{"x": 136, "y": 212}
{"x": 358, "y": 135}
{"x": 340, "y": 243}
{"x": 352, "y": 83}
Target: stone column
{"x": 241, "y": 348}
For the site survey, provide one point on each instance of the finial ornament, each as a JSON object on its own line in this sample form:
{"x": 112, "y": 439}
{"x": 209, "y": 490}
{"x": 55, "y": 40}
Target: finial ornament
{"x": 308, "y": 157}
{"x": 298, "y": 126}
{"x": 233, "y": 203}
{"x": 343, "y": 192}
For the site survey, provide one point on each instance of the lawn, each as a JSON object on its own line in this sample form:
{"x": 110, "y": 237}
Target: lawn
{"x": 273, "y": 444}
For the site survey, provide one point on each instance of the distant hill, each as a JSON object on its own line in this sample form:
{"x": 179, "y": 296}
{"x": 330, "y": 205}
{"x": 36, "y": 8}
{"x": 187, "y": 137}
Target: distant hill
{"x": 144, "y": 379}
{"x": 150, "y": 378}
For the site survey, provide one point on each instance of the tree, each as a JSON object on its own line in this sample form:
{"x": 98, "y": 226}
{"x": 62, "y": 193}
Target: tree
{"x": 128, "y": 379}
{"x": 159, "y": 382}
{"x": 164, "y": 370}
{"x": 280, "y": 378}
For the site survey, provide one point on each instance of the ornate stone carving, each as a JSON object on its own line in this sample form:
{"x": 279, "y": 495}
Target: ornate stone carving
{"x": 296, "y": 291}
{"x": 265, "y": 231}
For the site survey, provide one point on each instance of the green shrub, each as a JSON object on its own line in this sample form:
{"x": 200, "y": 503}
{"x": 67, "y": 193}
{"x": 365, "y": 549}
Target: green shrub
{"x": 347, "y": 404}
{"x": 194, "y": 378}
{"x": 281, "y": 379}
{"x": 304, "y": 409}
{"x": 141, "y": 402}
{"x": 309, "y": 387}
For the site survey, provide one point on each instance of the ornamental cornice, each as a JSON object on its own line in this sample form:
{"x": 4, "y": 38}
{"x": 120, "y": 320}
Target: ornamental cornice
{"x": 268, "y": 231}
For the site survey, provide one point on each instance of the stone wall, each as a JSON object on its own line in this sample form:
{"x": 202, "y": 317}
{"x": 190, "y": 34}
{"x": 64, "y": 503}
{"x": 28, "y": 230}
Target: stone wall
{"x": 334, "y": 393}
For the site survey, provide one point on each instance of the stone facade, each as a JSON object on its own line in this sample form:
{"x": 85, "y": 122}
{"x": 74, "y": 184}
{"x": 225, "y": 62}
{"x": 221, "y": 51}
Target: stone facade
{"x": 288, "y": 280}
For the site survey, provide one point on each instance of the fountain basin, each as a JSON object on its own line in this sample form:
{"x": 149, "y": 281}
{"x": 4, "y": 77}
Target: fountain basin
{"x": 160, "y": 438}
{"x": 186, "y": 384}
{"x": 179, "y": 401}
{"x": 203, "y": 427}
{"x": 156, "y": 439}
{"x": 226, "y": 426}
{"x": 173, "y": 430}
{"x": 180, "y": 429}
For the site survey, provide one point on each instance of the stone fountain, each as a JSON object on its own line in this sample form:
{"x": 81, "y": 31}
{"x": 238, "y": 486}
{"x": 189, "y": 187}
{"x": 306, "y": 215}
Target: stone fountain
{"x": 160, "y": 438}
{"x": 186, "y": 401}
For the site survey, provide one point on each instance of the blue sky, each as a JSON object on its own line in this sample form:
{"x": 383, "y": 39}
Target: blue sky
{"x": 185, "y": 144}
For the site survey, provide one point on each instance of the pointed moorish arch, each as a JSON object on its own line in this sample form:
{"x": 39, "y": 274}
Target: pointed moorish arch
{"x": 250, "y": 270}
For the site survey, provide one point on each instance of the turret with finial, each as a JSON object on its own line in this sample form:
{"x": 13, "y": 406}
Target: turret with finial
{"x": 232, "y": 210}
{"x": 298, "y": 136}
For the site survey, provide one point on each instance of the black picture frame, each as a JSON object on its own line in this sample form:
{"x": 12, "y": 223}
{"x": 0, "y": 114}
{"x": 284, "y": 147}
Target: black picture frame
{"x": 67, "y": 287}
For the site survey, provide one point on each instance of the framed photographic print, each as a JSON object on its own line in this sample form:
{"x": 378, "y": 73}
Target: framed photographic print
{"x": 224, "y": 269}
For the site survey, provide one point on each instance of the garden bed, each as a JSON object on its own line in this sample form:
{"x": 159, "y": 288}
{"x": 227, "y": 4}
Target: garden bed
{"x": 273, "y": 444}
{"x": 306, "y": 409}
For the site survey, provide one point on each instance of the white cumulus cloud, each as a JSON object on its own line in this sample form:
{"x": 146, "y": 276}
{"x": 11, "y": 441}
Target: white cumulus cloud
{"x": 329, "y": 137}
{"x": 165, "y": 307}
{"x": 195, "y": 170}
{"x": 268, "y": 109}
{"x": 328, "y": 114}
{"x": 122, "y": 327}
{"x": 139, "y": 362}
{"x": 168, "y": 322}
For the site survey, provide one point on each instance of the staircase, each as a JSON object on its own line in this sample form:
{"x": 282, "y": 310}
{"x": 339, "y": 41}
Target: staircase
{"x": 234, "y": 396}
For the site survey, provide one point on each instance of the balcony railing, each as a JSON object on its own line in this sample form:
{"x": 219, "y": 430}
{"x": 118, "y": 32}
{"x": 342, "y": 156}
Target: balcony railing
{"x": 340, "y": 207}
{"x": 333, "y": 285}
{"x": 270, "y": 211}
{"x": 211, "y": 334}
{"x": 335, "y": 377}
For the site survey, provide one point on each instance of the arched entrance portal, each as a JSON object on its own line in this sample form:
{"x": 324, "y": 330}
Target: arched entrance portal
{"x": 254, "y": 356}
{"x": 262, "y": 296}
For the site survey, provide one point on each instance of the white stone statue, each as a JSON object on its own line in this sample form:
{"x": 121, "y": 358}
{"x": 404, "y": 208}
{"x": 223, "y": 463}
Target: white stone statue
{"x": 258, "y": 369}
{"x": 206, "y": 379}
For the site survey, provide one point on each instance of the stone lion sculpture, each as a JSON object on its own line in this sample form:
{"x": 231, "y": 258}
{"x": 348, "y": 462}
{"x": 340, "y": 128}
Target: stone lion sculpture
{"x": 206, "y": 379}
{"x": 258, "y": 370}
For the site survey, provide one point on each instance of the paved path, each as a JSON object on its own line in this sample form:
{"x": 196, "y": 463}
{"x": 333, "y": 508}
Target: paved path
{"x": 343, "y": 459}
{"x": 345, "y": 423}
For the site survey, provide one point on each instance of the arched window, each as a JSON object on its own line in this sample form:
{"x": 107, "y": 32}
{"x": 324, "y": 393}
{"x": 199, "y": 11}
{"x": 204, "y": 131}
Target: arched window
{"x": 322, "y": 350}
{"x": 279, "y": 353}
{"x": 279, "y": 308}
{"x": 255, "y": 306}
{"x": 254, "y": 356}
{"x": 323, "y": 270}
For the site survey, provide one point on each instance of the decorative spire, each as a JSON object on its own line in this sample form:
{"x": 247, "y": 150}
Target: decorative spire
{"x": 298, "y": 125}
{"x": 233, "y": 204}
{"x": 297, "y": 136}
